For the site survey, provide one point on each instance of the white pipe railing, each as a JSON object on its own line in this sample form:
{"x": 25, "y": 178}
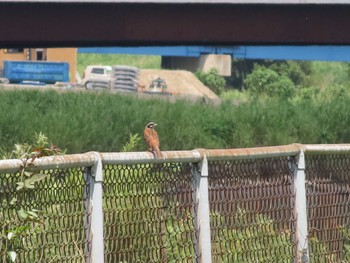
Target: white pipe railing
{"x": 89, "y": 158}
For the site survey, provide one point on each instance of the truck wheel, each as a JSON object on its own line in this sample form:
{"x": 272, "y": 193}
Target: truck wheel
{"x": 4, "y": 81}
{"x": 89, "y": 85}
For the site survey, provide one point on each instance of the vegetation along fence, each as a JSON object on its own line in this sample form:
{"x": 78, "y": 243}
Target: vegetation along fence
{"x": 271, "y": 204}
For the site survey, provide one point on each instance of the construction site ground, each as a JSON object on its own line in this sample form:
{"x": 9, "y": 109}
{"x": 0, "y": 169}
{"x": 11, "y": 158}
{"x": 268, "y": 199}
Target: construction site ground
{"x": 180, "y": 84}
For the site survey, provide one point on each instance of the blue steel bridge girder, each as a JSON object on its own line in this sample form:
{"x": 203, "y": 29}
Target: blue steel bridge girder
{"x": 322, "y": 53}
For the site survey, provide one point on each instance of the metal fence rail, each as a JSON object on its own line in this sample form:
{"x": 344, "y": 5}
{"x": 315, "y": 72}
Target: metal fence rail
{"x": 270, "y": 204}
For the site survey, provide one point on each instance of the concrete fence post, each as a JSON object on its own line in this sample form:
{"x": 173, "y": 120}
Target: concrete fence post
{"x": 300, "y": 210}
{"x": 202, "y": 213}
{"x": 94, "y": 220}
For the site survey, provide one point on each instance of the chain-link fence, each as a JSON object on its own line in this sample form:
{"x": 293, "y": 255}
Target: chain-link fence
{"x": 60, "y": 233}
{"x": 328, "y": 200}
{"x": 242, "y": 205}
{"x": 251, "y": 211}
{"x": 148, "y": 211}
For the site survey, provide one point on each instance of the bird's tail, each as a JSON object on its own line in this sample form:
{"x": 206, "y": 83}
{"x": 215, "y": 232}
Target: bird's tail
{"x": 158, "y": 154}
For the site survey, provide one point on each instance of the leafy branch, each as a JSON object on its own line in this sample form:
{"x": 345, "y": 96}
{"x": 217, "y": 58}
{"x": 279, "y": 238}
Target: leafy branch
{"x": 28, "y": 177}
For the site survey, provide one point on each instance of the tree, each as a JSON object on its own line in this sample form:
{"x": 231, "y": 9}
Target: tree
{"x": 265, "y": 81}
{"x": 297, "y": 71}
{"x": 212, "y": 80}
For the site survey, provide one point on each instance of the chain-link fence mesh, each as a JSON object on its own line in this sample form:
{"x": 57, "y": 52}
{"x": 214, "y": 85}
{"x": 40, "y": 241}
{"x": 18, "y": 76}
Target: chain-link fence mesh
{"x": 58, "y": 234}
{"x": 251, "y": 206}
{"x": 149, "y": 213}
{"x": 328, "y": 206}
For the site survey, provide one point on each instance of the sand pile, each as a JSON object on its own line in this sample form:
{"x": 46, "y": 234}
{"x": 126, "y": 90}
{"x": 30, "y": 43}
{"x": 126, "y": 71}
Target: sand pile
{"x": 179, "y": 82}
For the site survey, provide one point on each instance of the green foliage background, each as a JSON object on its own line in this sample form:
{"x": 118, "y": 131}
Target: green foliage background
{"x": 212, "y": 80}
{"x": 81, "y": 122}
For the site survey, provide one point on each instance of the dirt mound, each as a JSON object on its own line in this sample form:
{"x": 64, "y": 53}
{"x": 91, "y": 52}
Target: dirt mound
{"x": 179, "y": 82}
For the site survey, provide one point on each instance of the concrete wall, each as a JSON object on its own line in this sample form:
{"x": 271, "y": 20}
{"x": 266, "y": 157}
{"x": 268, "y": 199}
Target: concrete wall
{"x": 203, "y": 63}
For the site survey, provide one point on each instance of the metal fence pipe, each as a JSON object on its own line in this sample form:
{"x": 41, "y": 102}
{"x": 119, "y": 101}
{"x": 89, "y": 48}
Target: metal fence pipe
{"x": 198, "y": 154}
{"x": 326, "y": 148}
{"x": 95, "y": 213}
{"x": 148, "y": 157}
{"x": 50, "y": 162}
{"x": 300, "y": 211}
{"x": 202, "y": 215}
{"x": 10, "y": 166}
{"x": 251, "y": 153}
{"x": 88, "y": 159}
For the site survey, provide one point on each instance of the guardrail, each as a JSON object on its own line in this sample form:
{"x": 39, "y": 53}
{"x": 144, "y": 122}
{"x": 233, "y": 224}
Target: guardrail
{"x": 268, "y": 204}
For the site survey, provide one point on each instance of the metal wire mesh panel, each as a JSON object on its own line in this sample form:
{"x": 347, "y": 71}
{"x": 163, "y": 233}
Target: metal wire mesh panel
{"x": 59, "y": 234}
{"x": 251, "y": 206}
{"x": 328, "y": 203}
{"x": 148, "y": 213}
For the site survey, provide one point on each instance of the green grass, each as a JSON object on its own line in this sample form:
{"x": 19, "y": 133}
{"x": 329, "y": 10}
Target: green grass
{"x": 328, "y": 73}
{"x": 81, "y": 122}
{"x": 139, "y": 61}
{"x": 235, "y": 95}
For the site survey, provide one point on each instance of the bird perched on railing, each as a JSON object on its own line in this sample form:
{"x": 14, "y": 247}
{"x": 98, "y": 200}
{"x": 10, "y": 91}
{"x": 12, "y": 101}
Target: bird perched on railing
{"x": 152, "y": 139}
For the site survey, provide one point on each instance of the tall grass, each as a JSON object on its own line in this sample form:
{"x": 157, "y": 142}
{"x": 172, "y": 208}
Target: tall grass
{"x": 327, "y": 73}
{"x": 82, "y": 122}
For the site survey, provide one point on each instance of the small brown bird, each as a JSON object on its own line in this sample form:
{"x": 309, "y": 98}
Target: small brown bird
{"x": 152, "y": 139}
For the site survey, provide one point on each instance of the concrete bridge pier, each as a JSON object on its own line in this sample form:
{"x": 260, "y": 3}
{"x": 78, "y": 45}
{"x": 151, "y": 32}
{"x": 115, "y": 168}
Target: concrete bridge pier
{"x": 202, "y": 63}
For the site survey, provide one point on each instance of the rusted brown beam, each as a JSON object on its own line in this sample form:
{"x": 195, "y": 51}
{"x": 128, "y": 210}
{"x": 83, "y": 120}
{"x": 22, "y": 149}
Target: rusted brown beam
{"x": 40, "y": 24}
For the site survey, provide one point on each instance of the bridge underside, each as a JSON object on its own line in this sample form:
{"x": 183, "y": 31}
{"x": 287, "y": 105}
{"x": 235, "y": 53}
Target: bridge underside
{"x": 93, "y": 24}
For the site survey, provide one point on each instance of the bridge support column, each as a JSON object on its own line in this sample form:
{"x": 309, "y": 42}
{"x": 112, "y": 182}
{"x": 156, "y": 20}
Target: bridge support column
{"x": 203, "y": 63}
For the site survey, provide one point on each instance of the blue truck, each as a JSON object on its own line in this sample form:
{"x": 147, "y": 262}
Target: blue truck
{"x": 35, "y": 71}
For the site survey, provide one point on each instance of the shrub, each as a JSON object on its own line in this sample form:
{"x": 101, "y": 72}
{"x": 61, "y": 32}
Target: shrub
{"x": 265, "y": 81}
{"x": 29, "y": 219}
{"x": 235, "y": 95}
{"x": 297, "y": 71}
{"x": 307, "y": 94}
{"x": 212, "y": 80}
{"x": 300, "y": 72}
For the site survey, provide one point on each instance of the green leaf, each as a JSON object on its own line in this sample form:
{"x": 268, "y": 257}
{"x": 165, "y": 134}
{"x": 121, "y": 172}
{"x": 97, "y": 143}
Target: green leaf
{"x": 22, "y": 213}
{"x": 28, "y": 184}
{"x": 10, "y": 235}
{"x": 37, "y": 178}
{"x": 18, "y": 230}
{"x": 20, "y": 185}
{"x": 28, "y": 174}
{"x": 32, "y": 214}
{"x": 13, "y": 201}
{"x": 12, "y": 255}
